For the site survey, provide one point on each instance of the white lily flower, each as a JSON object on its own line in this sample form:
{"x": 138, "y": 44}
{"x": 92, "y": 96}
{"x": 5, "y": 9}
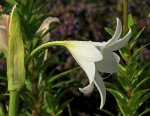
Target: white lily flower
{"x": 94, "y": 57}
{"x": 102, "y": 59}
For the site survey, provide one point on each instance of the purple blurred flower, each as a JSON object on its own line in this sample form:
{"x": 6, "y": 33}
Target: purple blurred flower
{"x": 91, "y": 10}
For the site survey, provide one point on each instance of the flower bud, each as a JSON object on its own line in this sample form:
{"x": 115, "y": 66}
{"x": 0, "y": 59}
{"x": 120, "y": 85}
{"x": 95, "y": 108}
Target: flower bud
{"x": 15, "y": 53}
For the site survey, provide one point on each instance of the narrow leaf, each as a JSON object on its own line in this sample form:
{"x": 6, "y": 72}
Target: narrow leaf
{"x": 56, "y": 77}
{"x": 146, "y": 111}
{"x": 110, "y": 31}
{"x": 130, "y": 20}
{"x": 121, "y": 100}
{"x": 134, "y": 40}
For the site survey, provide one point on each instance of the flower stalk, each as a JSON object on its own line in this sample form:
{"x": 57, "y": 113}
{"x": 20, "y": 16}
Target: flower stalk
{"x": 13, "y": 104}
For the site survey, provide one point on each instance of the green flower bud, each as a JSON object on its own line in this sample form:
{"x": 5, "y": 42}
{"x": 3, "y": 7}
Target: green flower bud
{"x": 15, "y": 53}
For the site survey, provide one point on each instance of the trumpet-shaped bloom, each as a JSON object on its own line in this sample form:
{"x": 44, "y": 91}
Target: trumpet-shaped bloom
{"x": 96, "y": 56}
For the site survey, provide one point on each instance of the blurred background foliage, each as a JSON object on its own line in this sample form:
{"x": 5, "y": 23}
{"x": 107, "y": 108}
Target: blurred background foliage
{"x": 52, "y": 85}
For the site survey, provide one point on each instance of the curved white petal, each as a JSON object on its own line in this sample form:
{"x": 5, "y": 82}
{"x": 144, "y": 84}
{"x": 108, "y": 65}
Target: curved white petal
{"x": 117, "y": 33}
{"x": 121, "y": 42}
{"x": 113, "y": 40}
{"x": 85, "y": 54}
{"x": 98, "y": 81}
{"x": 100, "y": 45}
{"x": 89, "y": 68}
{"x": 84, "y": 50}
{"x": 88, "y": 89}
{"x": 109, "y": 63}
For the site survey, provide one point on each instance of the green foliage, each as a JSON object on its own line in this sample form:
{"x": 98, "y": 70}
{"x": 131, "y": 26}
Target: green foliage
{"x": 47, "y": 94}
{"x": 43, "y": 91}
{"x": 45, "y": 87}
{"x": 132, "y": 74}
{"x": 109, "y": 30}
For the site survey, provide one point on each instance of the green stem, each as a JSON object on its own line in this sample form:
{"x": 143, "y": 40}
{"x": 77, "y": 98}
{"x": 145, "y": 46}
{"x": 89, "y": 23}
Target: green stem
{"x": 13, "y": 103}
{"x": 44, "y": 46}
{"x": 125, "y": 14}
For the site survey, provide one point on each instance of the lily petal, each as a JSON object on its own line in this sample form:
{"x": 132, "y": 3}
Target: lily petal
{"x": 80, "y": 51}
{"x": 109, "y": 63}
{"x": 89, "y": 68}
{"x": 84, "y": 50}
{"x": 117, "y": 33}
{"x": 121, "y": 42}
{"x": 98, "y": 81}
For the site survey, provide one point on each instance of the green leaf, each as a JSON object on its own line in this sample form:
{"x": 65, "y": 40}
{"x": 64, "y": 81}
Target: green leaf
{"x": 52, "y": 105}
{"x": 25, "y": 113}
{"x": 143, "y": 113}
{"x": 109, "y": 30}
{"x": 107, "y": 112}
{"x": 125, "y": 82}
{"x": 131, "y": 68}
{"x": 12, "y": 2}
{"x": 53, "y": 59}
{"x": 130, "y": 20}
{"x": 134, "y": 40}
{"x": 136, "y": 53}
{"x": 139, "y": 84}
{"x": 50, "y": 101}
{"x": 111, "y": 85}
{"x": 26, "y": 8}
{"x": 122, "y": 101}
{"x": 63, "y": 84}
{"x": 43, "y": 4}
{"x": 134, "y": 30}
{"x": 3, "y": 78}
{"x": 139, "y": 72}
{"x": 138, "y": 99}
{"x": 56, "y": 77}
{"x": 64, "y": 104}
{"x": 125, "y": 53}
{"x": 28, "y": 99}
{"x": 123, "y": 78}
{"x": 29, "y": 85}
{"x": 121, "y": 70}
